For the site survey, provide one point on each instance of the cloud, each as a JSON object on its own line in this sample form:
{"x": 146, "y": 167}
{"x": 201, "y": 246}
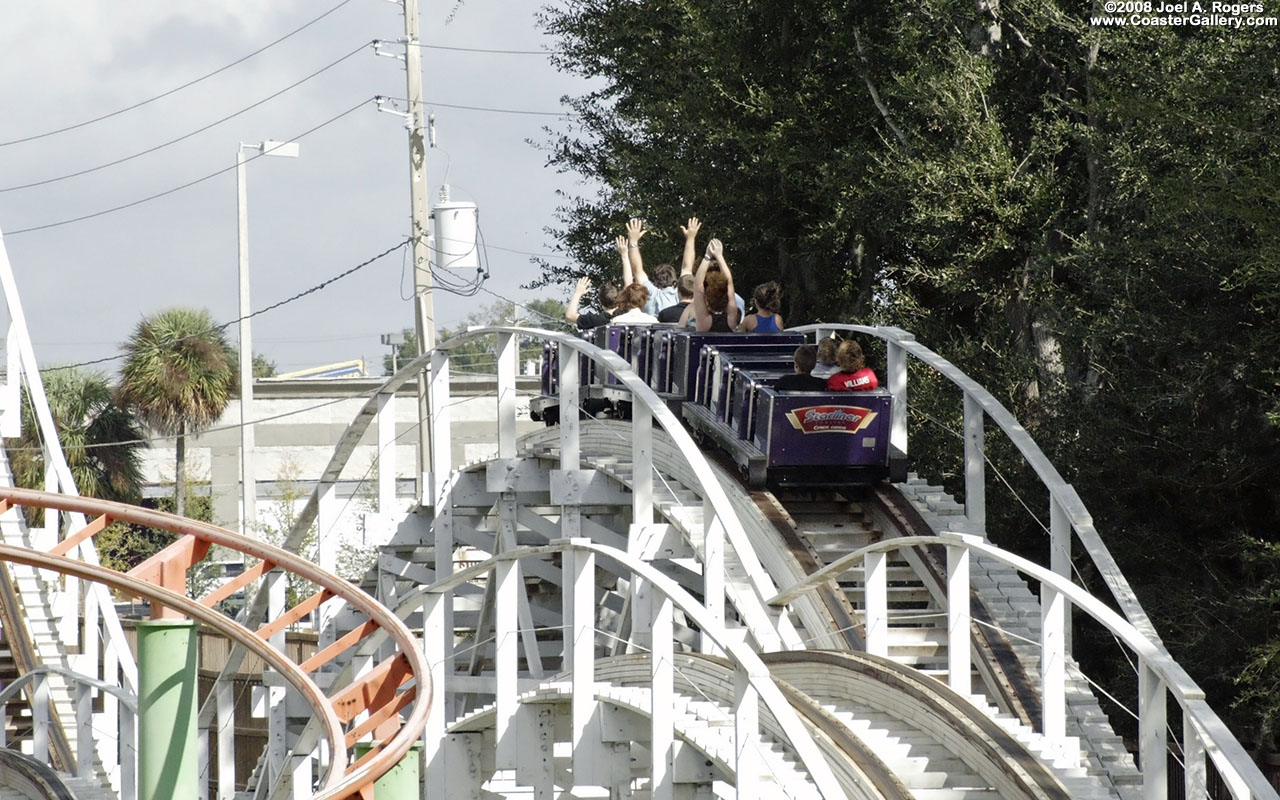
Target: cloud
{"x": 86, "y": 284}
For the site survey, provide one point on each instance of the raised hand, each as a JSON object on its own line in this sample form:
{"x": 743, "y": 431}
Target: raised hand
{"x": 690, "y": 229}
{"x": 584, "y": 283}
{"x": 621, "y": 243}
{"x": 715, "y": 249}
{"x": 635, "y": 230}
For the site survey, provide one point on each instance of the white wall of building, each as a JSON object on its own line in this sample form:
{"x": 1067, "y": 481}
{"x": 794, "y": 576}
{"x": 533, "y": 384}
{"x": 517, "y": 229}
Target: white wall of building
{"x": 301, "y": 422}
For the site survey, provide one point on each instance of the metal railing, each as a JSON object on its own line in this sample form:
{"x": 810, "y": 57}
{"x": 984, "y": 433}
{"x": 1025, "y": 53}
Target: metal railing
{"x": 1205, "y": 737}
{"x": 578, "y": 560}
{"x": 86, "y": 727}
{"x": 1067, "y": 512}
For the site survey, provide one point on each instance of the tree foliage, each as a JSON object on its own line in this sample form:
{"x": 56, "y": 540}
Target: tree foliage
{"x": 123, "y": 546}
{"x": 179, "y": 373}
{"x": 478, "y": 356}
{"x": 263, "y": 367}
{"x": 101, "y": 441}
{"x": 1082, "y": 218}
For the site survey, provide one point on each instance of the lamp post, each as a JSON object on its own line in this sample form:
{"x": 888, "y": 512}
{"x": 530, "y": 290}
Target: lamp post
{"x": 249, "y": 483}
{"x": 248, "y": 480}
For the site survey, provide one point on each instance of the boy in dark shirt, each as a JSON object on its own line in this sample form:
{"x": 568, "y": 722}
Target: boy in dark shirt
{"x": 684, "y": 289}
{"x": 806, "y": 356}
{"x": 606, "y": 298}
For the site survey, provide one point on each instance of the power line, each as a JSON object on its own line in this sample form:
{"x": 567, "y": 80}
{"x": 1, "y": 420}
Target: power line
{"x": 320, "y": 286}
{"x": 484, "y": 245}
{"x": 500, "y": 52}
{"x": 176, "y": 89}
{"x": 528, "y": 253}
{"x": 504, "y": 110}
{"x": 147, "y": 440}
{"x": 272, "y": 339}
{"x": 186, "y": 136}
{"x": 168, "y": 192}
{"x": 534, "y": 311}
{"x": 448, "y": 282}
{"x": 251, "y": 315}
{"x": 490, "y": 110}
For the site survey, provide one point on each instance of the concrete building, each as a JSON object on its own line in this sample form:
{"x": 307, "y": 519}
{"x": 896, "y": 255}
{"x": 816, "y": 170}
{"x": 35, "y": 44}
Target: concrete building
{"x": 298, "y": 424}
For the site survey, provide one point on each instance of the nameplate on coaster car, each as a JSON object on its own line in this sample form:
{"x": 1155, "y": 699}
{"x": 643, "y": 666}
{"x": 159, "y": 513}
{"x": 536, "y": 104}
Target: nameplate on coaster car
{"x": 831, "y": 419}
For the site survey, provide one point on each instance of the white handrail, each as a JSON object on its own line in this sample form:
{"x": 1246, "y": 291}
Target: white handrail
{"x": 1067, "y": 514}
{"x": 740, "y": 655}
{"x": 1062, "y": 492}
{"x": 770, "y": 631}
{"x": 1231, "y": 759}
{"x": 336, "y": 781}
{"x": 712, "y": 490}
{"x": 129, "y": 699}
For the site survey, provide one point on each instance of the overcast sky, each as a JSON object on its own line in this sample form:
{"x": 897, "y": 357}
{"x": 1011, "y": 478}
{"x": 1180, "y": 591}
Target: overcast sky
{"x": 85, "y": 285}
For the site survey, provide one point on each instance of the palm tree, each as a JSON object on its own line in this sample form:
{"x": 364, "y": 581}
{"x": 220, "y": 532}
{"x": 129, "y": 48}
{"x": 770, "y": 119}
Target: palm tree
{"x": 100, "y": 440}
{"x": 178, "y": 375}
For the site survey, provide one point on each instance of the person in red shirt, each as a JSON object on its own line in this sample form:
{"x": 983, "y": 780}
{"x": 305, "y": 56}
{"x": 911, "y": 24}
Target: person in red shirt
{"x": 854, "y": 374}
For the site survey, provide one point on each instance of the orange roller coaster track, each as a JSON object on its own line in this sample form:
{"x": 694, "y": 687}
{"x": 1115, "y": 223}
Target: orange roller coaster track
{"x": 389, "y": 702}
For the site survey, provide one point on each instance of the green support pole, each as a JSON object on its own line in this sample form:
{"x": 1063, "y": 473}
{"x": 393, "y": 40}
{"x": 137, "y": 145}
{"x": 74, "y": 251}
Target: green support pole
{"x": 402, "y": 782}
{"x": 168, "y": 750}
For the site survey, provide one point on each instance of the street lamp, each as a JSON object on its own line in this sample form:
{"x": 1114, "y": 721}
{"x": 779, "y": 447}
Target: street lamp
{"x": 248, "y": 480}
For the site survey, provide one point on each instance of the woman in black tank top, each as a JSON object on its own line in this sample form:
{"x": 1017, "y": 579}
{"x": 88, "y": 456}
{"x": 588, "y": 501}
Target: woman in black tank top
{"x": 713, "y": 306}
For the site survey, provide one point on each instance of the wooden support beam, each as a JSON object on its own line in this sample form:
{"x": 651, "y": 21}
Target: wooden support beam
{"x": 377, "y": 719}
{"x": 294, "y": 614}
{"x": 168, "y": 568}
{"x": 371, "y": 690}
{"x": 88, "y": 531}
{"x": 345, "y": 641}
{"x": 237, "y": 583}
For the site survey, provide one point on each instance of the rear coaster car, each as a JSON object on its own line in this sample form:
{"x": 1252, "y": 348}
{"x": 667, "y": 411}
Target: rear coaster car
{"x": 722, "y": 384}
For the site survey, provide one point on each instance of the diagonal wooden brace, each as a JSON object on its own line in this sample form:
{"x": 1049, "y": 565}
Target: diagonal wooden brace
{"x": 236, "y": 584}
{"x": 347, "y": 640}
{"x": 294, "y": 614}
{"x": 385, "y": 721}
{"x": 92, "y": 529}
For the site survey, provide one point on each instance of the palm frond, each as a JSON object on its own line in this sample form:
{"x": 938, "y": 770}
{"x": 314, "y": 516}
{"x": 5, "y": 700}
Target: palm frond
{"x": 179, "y": 371}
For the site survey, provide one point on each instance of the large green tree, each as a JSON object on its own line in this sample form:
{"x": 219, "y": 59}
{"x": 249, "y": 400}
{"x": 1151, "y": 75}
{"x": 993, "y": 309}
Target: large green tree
{"x": 1177, "y": 347}
{"x": 178, "y": 376}
{"x": 1081, "y": 217}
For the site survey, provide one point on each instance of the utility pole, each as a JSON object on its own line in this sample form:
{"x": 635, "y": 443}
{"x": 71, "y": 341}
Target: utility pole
{"x": 424, "y": 308}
